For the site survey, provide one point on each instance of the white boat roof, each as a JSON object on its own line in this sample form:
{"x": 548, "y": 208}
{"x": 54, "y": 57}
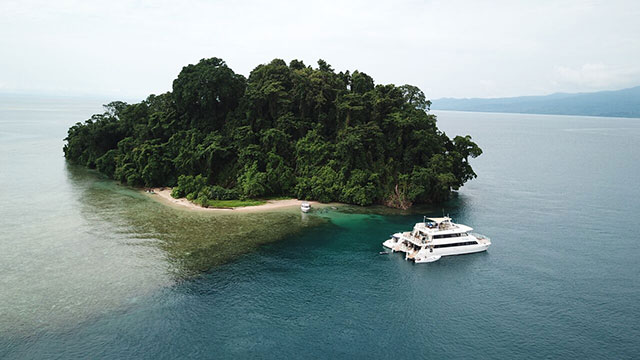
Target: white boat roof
{"x": 440, "y": 219}
{"x": 455, "y": 228}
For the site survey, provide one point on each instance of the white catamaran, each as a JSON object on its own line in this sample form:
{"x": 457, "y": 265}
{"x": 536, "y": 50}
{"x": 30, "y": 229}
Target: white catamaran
{"x": 437, "y": 237}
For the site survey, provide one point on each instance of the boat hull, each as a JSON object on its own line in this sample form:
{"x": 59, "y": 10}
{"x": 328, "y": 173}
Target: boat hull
{"x": 458, "y": 250}
{"x": 427, "y": 254}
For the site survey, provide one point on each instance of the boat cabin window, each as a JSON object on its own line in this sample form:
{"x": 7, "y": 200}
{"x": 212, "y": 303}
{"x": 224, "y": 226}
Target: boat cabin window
{"x": 456, "y": 244}
{"x": 449, "y": 235}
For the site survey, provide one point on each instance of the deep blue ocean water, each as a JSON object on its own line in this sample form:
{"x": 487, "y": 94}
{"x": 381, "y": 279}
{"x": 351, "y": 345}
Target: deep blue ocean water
{"x": 85, "y": 275}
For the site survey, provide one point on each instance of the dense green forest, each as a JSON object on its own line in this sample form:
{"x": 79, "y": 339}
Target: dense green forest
{"x": 286, "y": 130}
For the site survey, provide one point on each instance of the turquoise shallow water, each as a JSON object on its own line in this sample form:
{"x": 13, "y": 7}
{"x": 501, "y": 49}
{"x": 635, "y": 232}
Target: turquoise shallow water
{"x": 92, "y": 269}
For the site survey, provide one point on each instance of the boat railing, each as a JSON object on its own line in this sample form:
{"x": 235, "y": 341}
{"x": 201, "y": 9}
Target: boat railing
{"x": 479, "y": 236}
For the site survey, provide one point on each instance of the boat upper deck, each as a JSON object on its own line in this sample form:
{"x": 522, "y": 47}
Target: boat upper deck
{"x": 441, "y": 226}
{"x": 439, "y": 230}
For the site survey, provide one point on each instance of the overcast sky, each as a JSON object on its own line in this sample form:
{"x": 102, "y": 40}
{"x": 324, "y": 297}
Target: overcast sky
{"x": 447, "y": 48}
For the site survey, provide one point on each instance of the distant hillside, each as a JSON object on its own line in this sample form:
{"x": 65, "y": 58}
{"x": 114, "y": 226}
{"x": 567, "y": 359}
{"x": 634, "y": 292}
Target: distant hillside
{"x": 618, "y": 103}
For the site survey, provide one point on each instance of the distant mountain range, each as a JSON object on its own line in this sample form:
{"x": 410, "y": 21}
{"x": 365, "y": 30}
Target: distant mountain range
{"x": 617, "y": 103}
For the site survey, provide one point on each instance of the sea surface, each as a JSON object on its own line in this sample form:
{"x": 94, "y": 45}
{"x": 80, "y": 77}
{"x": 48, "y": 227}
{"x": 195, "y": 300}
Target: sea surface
{"x": 93, "y": 269}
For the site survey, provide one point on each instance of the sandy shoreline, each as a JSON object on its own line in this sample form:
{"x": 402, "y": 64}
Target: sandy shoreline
{"x": 164, "y": 194}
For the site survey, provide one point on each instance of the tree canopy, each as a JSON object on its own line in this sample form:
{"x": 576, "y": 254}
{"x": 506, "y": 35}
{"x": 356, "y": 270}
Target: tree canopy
{"x": 286, "y": 130}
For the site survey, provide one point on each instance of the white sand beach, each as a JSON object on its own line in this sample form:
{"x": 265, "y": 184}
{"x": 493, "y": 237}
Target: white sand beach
{"x": 164, "y": 194}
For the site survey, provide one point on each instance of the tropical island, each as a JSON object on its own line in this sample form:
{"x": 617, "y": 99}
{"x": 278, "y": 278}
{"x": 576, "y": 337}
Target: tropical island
{"x": 285, "y": 131}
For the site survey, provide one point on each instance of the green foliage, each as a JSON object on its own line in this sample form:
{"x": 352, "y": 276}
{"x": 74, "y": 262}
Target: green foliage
{"x": 216, "y": 192}
{"x": 106, "y": 163}
{"x": 252, "y": 183}
{"x": 360, "y": 189}
{"x": 195, "y": 188}
{"x": 189, "y": 185}
{"x": 286, "y": 130}
{"x": 206, "y": 93}
{"x": 230, "y": 203}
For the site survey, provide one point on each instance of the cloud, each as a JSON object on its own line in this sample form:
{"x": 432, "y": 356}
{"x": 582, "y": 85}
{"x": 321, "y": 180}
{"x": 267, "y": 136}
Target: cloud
{"x": 459, "y": 48}
{"x": 597, "y": 76}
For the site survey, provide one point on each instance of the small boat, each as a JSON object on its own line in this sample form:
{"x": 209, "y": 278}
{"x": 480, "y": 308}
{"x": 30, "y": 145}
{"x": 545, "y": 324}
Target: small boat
{"x": 427, "y": 259}
{"x": 305, "y": 207}
{"x": 383, "y": 253}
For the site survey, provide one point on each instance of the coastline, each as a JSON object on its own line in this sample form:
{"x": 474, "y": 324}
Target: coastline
{"x": 164, "y": 195}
